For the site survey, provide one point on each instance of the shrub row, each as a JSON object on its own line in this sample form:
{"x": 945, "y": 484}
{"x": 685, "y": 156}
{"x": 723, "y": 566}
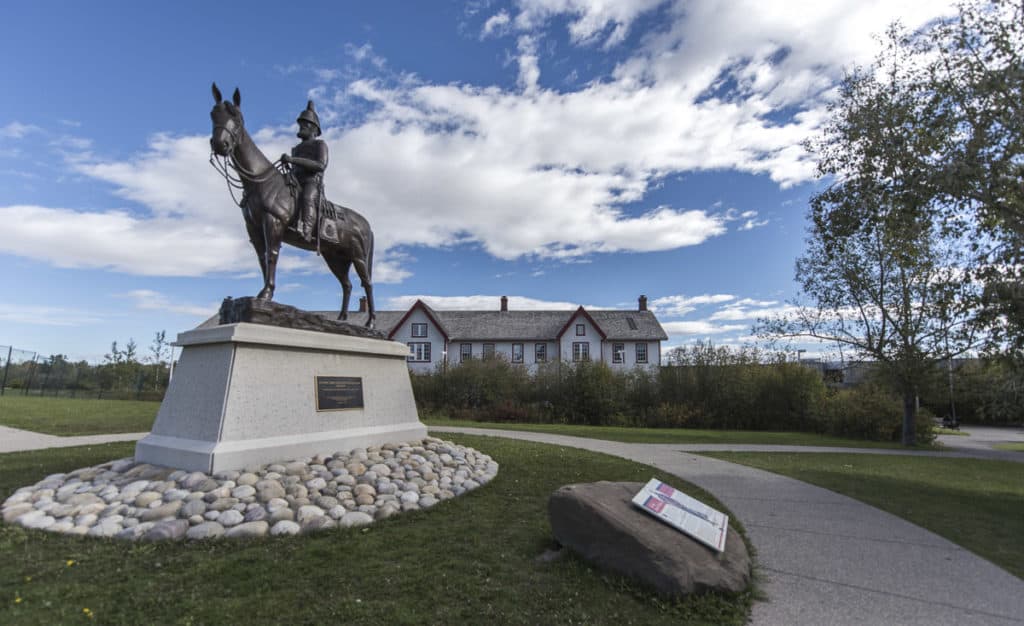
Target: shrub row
{"x": 707, "y": 388}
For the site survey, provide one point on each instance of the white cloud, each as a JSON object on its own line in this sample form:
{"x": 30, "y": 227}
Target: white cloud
{"x": 120, "y": 241}
{"x": 17, "y": 130}
{"x": 529, "y": 70}
{"x": 496, "y": 25}
{"x": 735, "y": 313}
{"x": 525, "y": 172}
{"x": 364, "y": 53}
{"x": 677, "y": 306}
{"x": 480, "y": 303}
{"x": 593, "y": 18}
{"x": 752, "y": 224}
{"x": 46, "y": 315}
{"x": 147, "y": 299}
{"x": 327, "y": 74}
{"x": 700, "y": 327}
{"x": 751, "y": 302}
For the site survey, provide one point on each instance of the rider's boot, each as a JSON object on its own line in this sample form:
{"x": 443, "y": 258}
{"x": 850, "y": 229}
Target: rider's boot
{"x": 306, "y": 227}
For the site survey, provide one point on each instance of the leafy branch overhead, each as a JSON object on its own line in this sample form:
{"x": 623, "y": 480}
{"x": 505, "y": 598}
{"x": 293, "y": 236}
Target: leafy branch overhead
{"x": 914, "y": 248}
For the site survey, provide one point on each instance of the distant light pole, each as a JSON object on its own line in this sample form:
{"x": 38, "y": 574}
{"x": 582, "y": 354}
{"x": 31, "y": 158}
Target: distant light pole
{"x": 798, "y": 353}
{"x": 952, "y": 403}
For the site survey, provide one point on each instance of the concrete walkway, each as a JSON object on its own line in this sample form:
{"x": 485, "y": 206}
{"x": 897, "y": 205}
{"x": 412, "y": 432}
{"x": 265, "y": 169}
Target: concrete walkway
{"x": 982, "y": 438}
{"x": 15, "y": 440}
{"x": 825, "y": 558}
{"x": 822, "y": 558}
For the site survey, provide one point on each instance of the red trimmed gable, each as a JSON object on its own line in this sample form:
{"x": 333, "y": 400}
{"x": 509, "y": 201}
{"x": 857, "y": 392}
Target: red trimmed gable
{"x": 572, "y": 318}
{"x": 426, "y": 310}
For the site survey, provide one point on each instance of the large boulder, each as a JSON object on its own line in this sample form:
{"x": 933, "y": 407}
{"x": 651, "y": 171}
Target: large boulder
{"x": 599, "y": 522}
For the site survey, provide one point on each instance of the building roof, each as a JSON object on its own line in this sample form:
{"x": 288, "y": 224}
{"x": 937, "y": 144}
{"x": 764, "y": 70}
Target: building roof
{"x": 526, "y": 325}
{"x": 514, "y": 325}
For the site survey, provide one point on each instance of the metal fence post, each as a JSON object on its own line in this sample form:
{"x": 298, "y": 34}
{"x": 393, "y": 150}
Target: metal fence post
{"x": 10, "y": 349}
{"x": 31, "y": 372}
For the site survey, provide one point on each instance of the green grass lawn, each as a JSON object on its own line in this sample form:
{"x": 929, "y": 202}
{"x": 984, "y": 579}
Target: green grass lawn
{"x": 1013, "y": 446}
{"x": 672, "y": 435}
{"x": 470, "y": 560}
{"x": 978, "y": 504}
{"x": 939, "y": 430}
{"x": 76, "y": 416}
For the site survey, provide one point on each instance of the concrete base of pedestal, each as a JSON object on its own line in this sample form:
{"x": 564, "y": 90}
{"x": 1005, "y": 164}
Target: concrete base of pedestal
{"x": 246, "y": 395}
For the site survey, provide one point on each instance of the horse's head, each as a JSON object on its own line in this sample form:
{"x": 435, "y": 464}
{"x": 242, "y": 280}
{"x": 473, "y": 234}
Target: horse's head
{"x": 227, "y": 123}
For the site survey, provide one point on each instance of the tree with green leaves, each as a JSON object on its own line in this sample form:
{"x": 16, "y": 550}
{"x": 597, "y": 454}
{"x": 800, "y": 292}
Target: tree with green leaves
{"x": 882, "y": 274}
{"x": 976, "y": 73}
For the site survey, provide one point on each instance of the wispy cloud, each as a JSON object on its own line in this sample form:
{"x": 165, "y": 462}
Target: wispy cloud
{"x": 47, "y": 315}
{"x": 678, "y": 306}
{"x": 700, "y": 328}
{"x": 747, "y": 313}
{"x": 147, "y": 299}
{"x": 752, "y": 224}
{"x": 17, "y": 130}
{"x": 591, "y": 21}
{"x": 497, "y": 24}
{"x": 365, "y": 53}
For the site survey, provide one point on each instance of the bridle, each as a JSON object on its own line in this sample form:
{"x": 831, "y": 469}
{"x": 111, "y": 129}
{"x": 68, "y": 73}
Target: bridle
{"x": 224, "y": 164}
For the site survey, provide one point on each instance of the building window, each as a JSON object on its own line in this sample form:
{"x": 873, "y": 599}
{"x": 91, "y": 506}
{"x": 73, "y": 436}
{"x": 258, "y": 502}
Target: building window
{"x": 465, "y": 352}
{"x": 581, "y": 330}
{"x": 517, "y": 353}
{"x": 419, "y": 352}
{"x": 488, "y": 350}
{"x": 580, "y": 351}
{"x": 641, "y": 353}
{"x": 618, "y": 352}
{"x": 419, "y": 330}
{"x": 540, "y": 352}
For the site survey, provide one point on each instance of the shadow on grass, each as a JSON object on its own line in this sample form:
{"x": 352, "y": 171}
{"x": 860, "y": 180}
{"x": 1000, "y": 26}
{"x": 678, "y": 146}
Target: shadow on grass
{"x": 472, "y": 560}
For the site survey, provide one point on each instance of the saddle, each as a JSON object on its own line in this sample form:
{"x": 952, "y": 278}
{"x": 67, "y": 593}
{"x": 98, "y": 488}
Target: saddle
{"x": 328, "y": 214}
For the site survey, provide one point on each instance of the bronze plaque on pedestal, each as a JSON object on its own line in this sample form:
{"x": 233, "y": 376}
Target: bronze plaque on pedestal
{"x": 338, "y": 393}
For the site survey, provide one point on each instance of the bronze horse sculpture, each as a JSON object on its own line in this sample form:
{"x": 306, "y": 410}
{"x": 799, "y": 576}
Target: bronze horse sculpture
{"x": 269, "y": 206}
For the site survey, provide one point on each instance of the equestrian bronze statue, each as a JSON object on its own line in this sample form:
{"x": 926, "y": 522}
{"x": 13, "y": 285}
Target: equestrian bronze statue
{"x": 288, "y": 205}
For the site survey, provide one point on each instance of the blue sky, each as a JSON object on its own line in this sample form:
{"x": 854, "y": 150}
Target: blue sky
{"x": 560, "y": 152}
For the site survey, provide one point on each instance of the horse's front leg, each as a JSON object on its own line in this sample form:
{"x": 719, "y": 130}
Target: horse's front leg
{"x": 273, "y": 233}
{"x": 259, "y": 245}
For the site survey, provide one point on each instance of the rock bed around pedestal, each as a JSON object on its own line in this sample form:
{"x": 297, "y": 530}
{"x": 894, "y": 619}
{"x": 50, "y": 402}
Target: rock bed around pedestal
{"x": 126, "y": 500}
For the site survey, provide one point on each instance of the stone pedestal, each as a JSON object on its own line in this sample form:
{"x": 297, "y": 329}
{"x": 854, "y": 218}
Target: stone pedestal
{"x": 248, "y": 394}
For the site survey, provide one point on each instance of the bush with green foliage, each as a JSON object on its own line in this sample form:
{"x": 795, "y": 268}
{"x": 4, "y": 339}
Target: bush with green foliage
{"x": 706, "y": 387}
{"x": 985, "y": 391}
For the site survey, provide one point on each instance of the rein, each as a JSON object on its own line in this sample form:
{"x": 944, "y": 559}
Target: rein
{"x": 224, "y": 165}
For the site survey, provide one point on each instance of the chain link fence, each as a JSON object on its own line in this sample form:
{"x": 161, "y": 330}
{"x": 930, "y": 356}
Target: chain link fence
{"x": 28, "y": 373}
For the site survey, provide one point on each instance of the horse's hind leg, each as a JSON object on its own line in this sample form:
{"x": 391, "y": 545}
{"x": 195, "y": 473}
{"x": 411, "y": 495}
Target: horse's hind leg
{"x": 364, "y": 277}
{"x": 339, "y": 267}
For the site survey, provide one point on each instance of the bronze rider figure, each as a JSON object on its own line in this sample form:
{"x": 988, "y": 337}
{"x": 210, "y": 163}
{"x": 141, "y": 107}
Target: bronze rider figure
{"x": 308, "y": 161}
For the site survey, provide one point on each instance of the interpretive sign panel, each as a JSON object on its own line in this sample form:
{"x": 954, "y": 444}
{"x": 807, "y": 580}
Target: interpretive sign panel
{"x": 337, "y": 393}
{"x": 684, "y": 513}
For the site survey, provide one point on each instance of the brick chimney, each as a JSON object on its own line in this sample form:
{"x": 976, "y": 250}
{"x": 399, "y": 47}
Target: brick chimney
{"x": 504, "y": 303}
{"x": 362, "y": 304}
{"x": 643, "y": 303}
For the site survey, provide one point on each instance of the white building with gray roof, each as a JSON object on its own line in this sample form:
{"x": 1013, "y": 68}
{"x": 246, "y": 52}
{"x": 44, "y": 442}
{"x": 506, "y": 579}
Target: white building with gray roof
{"x": 623, "y": 339}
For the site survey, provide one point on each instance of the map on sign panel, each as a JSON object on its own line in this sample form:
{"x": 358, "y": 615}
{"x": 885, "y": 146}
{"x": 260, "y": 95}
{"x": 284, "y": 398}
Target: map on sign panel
{"x": 684, "y": 513}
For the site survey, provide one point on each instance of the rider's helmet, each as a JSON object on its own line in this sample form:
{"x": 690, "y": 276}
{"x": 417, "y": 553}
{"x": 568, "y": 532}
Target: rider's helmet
{"x": 309, "y": 114}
